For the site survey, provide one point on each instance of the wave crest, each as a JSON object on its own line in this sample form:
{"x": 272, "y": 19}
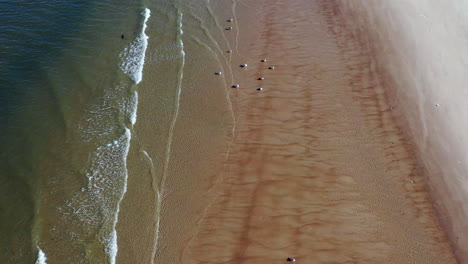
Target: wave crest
{"x": 41, "y": 257}
{"x": 133, "y": 56}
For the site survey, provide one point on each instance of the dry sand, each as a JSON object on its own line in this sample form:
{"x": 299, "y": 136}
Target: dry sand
{"x": 318, "y": 168}
{"x": 421, "y": 56}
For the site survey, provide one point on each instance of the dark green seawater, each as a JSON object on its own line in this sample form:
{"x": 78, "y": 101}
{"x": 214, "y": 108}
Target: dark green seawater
{"x": 66, "y": 112}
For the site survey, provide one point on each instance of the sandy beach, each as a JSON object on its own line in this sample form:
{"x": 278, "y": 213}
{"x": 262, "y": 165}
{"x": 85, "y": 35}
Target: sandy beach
{"x": 318, "y": 169}
{"x": 317, "y": 165}
{"x": 419, "y": 54}
{"x": 234, "y": 132}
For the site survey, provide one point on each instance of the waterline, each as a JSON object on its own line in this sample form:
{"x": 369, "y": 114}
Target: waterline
{"x": 132, "y": 66}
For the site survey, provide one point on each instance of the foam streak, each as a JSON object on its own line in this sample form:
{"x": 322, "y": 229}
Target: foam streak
{"x": 41, "y": 257}
{"x": 171, "y": 129}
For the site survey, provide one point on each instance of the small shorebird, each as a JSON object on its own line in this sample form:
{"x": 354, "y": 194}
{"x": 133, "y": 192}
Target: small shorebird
{"x": 229, "y": 51}
{"x": 243, "y": 65}
{"x": 230, "y": 20}
{"x": 218, "y": 73}
{"x": 271, "y": 67}
{"x": 228, "y": 28}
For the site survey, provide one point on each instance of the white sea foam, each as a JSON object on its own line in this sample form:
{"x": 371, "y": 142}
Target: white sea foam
{"x": 111, "y": 246}
{"x": 107, "y": 174}
{"x": 133, "y": 66}
{"x": 111, "y": 240}
{"x": 98, "y": 204}
{"x": 133, "y": 56}
{"x": 41, "y": 257}
{"x": 133, "y": 108}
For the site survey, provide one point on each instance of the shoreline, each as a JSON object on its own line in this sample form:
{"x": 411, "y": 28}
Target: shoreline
{"x": 169, "y": 161}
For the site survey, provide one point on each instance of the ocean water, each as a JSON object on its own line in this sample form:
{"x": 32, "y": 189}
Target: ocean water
{"x": 71, "y": 73}
{"x": 68, "y": 105}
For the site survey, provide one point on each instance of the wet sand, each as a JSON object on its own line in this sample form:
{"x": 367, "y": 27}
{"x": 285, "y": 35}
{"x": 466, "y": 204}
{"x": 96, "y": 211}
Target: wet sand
{"x": 318, "y": 168}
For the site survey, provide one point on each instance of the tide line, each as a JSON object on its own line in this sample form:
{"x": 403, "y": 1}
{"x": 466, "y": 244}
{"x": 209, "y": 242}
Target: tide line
{"x": 180, "y": 42}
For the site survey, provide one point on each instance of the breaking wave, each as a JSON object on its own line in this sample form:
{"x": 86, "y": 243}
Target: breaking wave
{"x": 108, "y": 127}
{"x": 41, "y": 257}
{"x": 133, "y": 56}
